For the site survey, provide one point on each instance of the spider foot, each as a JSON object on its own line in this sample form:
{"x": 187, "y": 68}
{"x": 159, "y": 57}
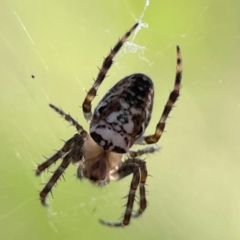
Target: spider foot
{"x": 138, "y": 213}
{"x": 44, "y": 202}
{"x": 111, "y": 224}
{"x": 38, "y": 172}
{"x": 80, "y": 174}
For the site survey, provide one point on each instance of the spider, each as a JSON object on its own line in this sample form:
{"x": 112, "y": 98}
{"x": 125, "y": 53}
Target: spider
{"x": 118, "y": 122}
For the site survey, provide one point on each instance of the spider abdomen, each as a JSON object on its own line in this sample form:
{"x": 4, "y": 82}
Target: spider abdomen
{"x": 123, "y": 114}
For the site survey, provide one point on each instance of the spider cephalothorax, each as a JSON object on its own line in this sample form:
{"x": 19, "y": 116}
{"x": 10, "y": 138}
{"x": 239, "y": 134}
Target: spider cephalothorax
{"x": 118, "y": 122}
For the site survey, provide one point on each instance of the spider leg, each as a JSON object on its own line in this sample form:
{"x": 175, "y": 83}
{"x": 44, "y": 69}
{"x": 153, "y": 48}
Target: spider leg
{"x": 101, "y": 75}
{"x": 80, "y": 168}
{"x": 72, "y": 121}
{"x": 66, "y": 147}
{"x": 142, "y": 192}
{"x": 139, "y": 170}
{"x": 140, "y": 152}
{"x": 73, "y": 149}
{"x": 168, "y": 107}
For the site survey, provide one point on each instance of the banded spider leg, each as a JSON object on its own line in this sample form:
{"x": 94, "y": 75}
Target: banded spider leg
{"x": 72, "y": 151}
{"x": 138, "y": 168}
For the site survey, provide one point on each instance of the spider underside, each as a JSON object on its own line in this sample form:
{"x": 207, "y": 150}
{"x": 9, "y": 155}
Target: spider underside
{"x": 118, "y": 122}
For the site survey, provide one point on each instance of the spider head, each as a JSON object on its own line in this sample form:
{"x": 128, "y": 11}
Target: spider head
{"x": 98, "y": 163}
{"x": 96, "y": 169}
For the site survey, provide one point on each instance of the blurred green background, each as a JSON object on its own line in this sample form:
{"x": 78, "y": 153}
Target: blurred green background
{"x": 193, "y": 191}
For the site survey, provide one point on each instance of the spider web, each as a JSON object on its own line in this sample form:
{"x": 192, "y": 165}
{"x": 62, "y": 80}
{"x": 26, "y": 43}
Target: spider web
{"x": 49, "y": 53}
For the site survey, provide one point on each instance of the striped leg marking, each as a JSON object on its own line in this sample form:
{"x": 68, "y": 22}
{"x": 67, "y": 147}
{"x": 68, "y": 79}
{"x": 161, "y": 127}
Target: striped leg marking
{"x": 139, "y": 170}
{"x": 107, "y": 63}
{"x": 72, "y": 121}
{"x": 168, "y": 107}
{"x": 73, "y": 151}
